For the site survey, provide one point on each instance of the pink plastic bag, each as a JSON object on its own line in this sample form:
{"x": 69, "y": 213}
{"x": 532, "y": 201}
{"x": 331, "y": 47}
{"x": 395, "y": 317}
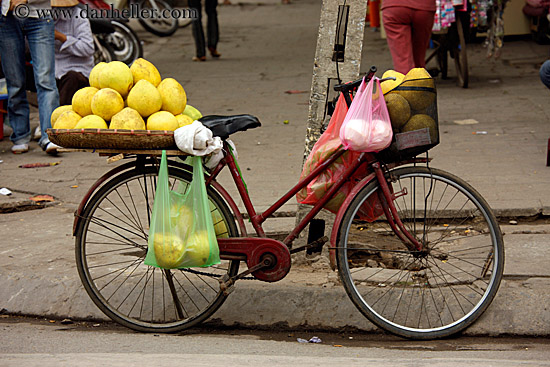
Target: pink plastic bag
{"x": 367, "y": 125}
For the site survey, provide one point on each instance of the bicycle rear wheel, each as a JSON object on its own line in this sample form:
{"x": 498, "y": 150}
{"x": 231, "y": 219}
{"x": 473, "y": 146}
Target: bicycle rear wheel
{"x": 111, "y": 244}
{"x": 433, "y": 293}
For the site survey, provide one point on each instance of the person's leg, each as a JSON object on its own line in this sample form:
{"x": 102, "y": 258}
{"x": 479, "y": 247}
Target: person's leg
{"x": 212, "y": 26}
{"x": 397, "y": 24}
{"x": 545, "y": 73}
{"x": 198, "y": 33}
{"x": 69, "y": 84}
{"x": 40, "y": 35}
{"x": 422, "y": 23}
{"x": 12, "y": 54}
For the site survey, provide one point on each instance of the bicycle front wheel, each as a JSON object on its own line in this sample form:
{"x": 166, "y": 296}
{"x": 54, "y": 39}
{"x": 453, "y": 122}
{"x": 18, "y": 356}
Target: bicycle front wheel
{"x": 111, "y": 244}
{"x": 426, "y": 294}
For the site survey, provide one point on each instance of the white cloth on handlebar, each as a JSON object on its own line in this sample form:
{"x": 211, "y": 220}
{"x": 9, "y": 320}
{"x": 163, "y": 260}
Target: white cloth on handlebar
{"x": 212, "y": 161}
{"x": 196, "y": 139}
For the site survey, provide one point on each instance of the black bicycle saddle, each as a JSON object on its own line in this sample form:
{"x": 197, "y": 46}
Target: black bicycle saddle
{"x": 223, "y": 126}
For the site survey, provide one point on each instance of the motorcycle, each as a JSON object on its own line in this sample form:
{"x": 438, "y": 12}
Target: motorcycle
{"x": 539, "y": 17}
{"x": 115, "y": 33}
{"x": 148, "y": 13}
{"x": 101, "y": 30}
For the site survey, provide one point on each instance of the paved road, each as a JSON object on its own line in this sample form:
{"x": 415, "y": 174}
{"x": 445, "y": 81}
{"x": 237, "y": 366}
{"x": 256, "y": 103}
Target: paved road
{"x": 30, "y": 343}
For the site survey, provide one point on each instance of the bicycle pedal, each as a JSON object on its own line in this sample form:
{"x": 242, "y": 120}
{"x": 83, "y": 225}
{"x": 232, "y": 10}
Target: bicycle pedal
{"x": 227, "y": 291}
{"x": 227, "y": 284}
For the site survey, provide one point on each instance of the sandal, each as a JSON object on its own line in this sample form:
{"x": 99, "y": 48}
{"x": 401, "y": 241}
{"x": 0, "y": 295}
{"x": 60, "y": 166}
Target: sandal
{"x": 196, "y": 58}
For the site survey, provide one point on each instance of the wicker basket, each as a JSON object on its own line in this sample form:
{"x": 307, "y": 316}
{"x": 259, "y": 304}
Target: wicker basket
{"x": 112, "y": 139}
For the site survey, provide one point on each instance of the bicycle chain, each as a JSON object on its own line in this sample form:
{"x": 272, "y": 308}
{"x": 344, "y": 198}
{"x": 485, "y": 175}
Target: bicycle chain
{"x": 197, "y": 272}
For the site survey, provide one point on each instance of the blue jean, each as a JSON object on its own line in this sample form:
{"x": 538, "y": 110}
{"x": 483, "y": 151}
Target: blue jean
{"x": 545, "y": 73}
{"x": 40, "y": 37}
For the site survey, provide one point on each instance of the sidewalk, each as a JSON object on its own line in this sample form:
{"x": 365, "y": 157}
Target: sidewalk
{"x": 266, "y": 50}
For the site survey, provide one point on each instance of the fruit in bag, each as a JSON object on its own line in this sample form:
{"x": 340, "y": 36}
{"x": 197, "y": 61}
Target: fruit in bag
{"x": 169, "y": 249}
{"x": 358, "y": 135}
{"x": 389, "y": 85}
{"x": 219, "y": 224}
{"x": 418, "y": 122}
{"x": 398, "y": 109}
{"x": 198, "y": 248}
{"x": 418, "y": 99}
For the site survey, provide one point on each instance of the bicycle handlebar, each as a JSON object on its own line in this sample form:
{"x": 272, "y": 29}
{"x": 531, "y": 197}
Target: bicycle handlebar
{"x": 346, "y": 87}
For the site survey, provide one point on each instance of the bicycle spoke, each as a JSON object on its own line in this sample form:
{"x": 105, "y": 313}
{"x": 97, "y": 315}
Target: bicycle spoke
{"x": 112, "y": 245}
{"x": 433, "y": 292}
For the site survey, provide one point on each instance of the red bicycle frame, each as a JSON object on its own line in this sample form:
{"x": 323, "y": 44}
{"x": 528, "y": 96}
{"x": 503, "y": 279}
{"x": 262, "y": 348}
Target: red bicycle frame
{"x": 385, "y": 194}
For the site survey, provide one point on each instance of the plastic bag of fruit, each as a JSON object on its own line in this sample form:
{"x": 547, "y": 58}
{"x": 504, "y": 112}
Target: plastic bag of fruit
{"x": 328, "y": 144}
{"x": 367, "y": 126}
{"x": 182, "y": 234}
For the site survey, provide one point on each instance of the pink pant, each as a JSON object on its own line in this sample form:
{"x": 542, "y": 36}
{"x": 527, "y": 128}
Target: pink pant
{"x": 408, "y": 32}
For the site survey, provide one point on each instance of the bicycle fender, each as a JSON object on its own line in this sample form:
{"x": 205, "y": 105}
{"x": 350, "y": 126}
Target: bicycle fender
{"x": 340, "y": 215}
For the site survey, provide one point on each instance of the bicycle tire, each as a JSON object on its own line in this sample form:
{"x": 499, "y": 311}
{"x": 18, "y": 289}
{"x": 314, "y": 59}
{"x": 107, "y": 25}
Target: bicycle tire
{"x": 422, "y": 295}
{"x": 110, "y": 247}
{"x": 162, "y": 27}
{"x": 461, "y": 56}
{"x": 125, "y": 42}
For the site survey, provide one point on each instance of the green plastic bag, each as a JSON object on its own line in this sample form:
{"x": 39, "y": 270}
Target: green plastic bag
{"x": 182, "y": 233}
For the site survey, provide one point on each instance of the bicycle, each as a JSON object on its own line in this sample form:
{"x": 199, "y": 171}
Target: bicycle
{"x": 418, "y": 250}
{"x": 452, "y": 41}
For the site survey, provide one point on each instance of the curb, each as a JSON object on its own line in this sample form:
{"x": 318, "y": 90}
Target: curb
{"x": 516, "y": 310}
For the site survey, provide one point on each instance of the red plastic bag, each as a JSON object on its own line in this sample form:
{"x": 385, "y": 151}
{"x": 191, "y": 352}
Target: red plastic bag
{"x": 328, "y": 144}
{"x": 367, "y": 125}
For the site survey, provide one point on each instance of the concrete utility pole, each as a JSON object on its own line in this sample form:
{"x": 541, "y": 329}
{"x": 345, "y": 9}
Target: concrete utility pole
{"x": 339, "y": 47}
{"x": 338, "y": 54}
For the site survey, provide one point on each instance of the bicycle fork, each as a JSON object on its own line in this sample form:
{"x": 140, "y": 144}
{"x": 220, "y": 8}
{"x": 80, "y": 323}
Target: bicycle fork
{"x": 386, "y": 198}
